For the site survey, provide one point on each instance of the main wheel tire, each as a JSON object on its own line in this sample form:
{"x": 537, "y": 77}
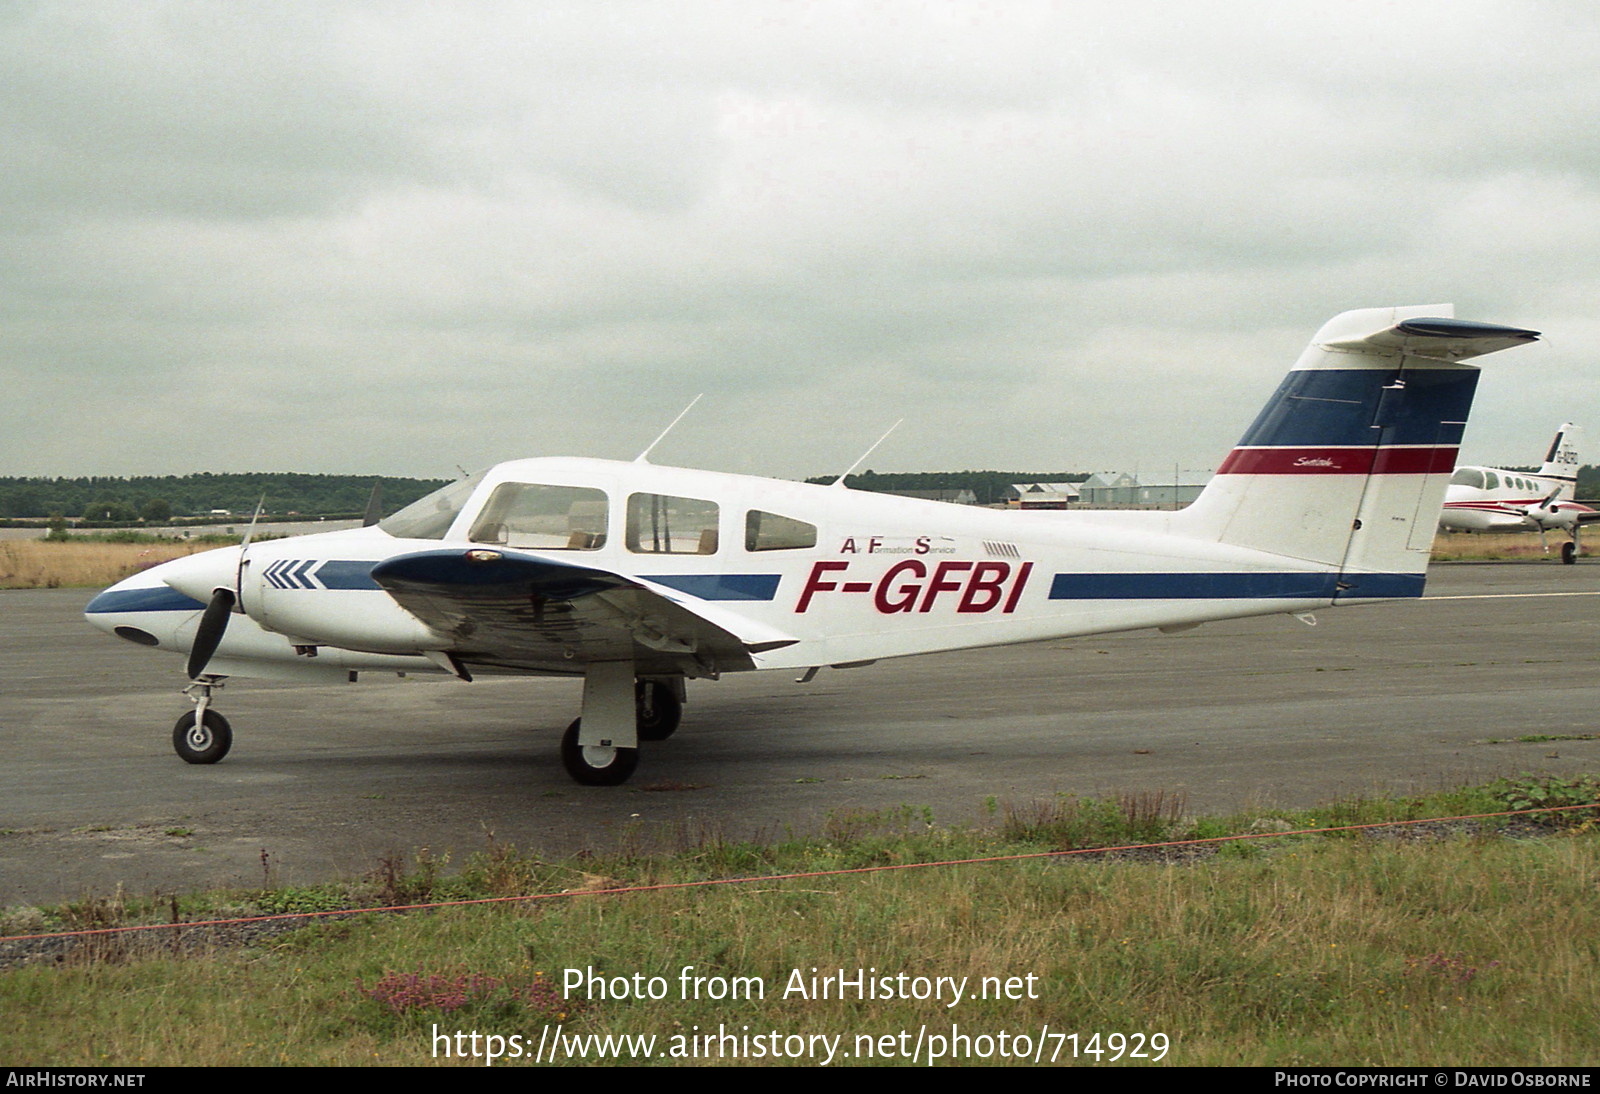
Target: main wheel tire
{"x": 1569, "y": 553}
{"x": 596, "y": 765}
{"x": 205, "y": 743}
{"x": 665, "y": 710}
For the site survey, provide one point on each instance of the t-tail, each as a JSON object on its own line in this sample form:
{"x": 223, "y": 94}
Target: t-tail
{"x": 1562, "y": 461}
{"x": 1347, "y": 464}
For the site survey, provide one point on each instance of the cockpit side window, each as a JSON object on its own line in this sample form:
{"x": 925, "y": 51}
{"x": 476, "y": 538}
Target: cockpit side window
{"x": 431, "y": 516}
{"x": 659, "y": 524}
{"x": 1491, "y": 480}
{"x": 772, "y": 532}
{"x": 543, "y": 518}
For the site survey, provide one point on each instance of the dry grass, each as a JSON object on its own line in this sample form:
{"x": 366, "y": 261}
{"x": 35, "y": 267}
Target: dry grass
{"x": 1466, "y": 546}
{"x": 36, "y": 564}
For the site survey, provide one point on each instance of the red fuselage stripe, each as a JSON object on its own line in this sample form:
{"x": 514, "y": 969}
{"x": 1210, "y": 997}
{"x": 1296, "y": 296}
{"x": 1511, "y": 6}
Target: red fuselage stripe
{"x": 1340, "y": 461}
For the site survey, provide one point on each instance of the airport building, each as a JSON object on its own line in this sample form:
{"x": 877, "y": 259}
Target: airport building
{"x": 1042, "y": 495}
{"x": 1135, "y": 490}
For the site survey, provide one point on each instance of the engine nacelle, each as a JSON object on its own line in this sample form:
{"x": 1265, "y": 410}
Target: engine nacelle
{"x": 1552, "y": 518}
{"x": 353, "y": 619}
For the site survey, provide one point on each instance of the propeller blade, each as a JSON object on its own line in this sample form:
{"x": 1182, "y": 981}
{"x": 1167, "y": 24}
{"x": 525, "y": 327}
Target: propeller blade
{"x": 255, "y": 516}
{"x": 209, "y": 635}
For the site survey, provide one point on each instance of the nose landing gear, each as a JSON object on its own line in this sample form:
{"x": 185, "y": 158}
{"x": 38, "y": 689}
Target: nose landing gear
{"x": 202, "y": 736}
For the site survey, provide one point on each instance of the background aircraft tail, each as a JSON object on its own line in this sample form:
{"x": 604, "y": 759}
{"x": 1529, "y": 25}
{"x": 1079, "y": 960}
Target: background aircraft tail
{"x": 1562, "y": 461}
{"x": 1347, "y": 464}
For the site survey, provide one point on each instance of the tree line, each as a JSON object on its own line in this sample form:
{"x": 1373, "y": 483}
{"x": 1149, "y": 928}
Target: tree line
{"x": 159, "y": 498}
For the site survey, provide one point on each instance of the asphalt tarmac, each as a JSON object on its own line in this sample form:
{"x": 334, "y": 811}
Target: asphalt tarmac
{"x": 328, "y": 781}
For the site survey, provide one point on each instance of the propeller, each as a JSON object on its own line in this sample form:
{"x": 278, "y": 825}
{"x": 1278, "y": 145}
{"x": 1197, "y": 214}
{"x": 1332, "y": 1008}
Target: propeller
{"x": 1547, "y": 513}
{"x": 223, "y": 603}
{"x": 213, "y": 624}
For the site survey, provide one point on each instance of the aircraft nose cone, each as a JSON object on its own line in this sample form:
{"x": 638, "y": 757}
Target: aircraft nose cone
{"x": 198, "y": 576}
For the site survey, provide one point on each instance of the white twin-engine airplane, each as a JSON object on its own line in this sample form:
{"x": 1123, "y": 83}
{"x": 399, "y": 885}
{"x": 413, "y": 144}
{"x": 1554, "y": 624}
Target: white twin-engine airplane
{"x": 638, "y": 577}
{"x": 1498, "y": 499}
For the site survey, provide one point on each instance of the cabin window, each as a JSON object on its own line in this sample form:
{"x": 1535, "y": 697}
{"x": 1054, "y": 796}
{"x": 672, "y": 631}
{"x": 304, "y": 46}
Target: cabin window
{"x": 544, "y": 518}
{"x": 431, "y": 516}
{"x": 659, "y": 524}
{"x": 772, "y": 532}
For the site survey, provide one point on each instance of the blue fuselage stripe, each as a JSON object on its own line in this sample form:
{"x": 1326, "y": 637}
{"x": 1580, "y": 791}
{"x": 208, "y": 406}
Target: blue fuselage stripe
{"x": 1328, "y": 407}
{"x": 346, "y": 574}
{"x": 720, "y": 586}
{"x": 1237, "y": 586}
{"x": 159, "y": 598}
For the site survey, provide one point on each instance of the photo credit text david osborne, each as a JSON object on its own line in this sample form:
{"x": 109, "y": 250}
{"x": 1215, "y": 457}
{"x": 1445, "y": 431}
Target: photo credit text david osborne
{"x": 1534, "y": 1078}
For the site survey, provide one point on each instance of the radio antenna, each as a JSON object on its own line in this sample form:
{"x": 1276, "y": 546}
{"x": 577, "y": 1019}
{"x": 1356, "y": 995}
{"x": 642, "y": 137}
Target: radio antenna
{"x": 640, "y": 458}
{"x": 863, "y": 459}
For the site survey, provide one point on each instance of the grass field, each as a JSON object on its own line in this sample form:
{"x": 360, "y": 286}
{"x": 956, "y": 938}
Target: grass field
{"x": 84, "y": 562}
{"x": 1448, "y": 946}
{"x": 1468, "y": 546}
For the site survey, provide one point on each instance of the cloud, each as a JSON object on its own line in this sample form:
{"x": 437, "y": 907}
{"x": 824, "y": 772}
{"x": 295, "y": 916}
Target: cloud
{"x": 398, "y": 237}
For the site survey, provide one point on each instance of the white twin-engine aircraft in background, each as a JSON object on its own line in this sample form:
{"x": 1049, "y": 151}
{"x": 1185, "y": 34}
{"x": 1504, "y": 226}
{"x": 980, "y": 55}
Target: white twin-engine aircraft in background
{"x": 638, "y": 577}
{"x": 1499, "y": 499}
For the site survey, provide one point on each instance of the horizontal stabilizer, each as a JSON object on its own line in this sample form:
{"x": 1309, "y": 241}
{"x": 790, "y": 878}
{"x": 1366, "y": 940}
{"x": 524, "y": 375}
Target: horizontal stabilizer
{"x": 1436, "y": 337}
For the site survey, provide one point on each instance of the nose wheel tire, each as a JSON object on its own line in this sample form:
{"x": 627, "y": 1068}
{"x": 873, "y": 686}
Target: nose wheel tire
{"x": 595, "y": 765}
{"x": 205, "y": 743}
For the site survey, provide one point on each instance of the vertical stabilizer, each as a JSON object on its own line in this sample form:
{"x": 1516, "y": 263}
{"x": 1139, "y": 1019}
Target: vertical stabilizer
{"x": 1347, "y": 464}
{"x": 1563, "y": 460}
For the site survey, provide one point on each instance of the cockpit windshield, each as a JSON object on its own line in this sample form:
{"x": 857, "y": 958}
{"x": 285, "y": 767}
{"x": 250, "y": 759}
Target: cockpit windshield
{"x": 430, "y": 517}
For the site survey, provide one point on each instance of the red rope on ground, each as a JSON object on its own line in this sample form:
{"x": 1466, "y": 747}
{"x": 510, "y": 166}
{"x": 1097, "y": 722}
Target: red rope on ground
{"x": 784, "y": 877}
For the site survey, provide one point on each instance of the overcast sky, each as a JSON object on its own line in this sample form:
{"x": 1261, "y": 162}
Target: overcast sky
{"x": 400, "y": 237}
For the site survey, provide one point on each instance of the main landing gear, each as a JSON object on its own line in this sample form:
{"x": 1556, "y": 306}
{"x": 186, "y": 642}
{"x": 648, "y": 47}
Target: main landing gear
{"x": 1570, "y": 550}
{"x": 596, "y": 765}
{"x": 601, "y": 748}
{"x": 659, "y": 708}
{"x": 202, "y": 736}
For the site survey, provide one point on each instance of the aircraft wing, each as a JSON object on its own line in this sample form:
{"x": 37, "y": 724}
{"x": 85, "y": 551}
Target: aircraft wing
{"x": 517, "y": 610}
